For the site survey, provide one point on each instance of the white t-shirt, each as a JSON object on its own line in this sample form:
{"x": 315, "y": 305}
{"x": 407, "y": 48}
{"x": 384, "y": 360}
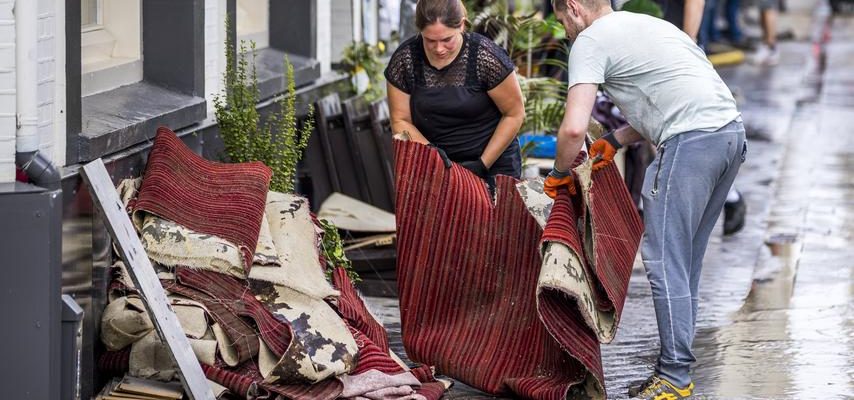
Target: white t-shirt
{"x": 657, "y": 76}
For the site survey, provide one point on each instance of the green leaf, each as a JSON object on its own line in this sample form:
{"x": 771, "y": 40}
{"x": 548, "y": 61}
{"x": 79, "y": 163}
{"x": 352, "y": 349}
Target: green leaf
{"x": 245, "y": 137}
{"x": 333, "y": 251}
{"x": 648, "y": 7}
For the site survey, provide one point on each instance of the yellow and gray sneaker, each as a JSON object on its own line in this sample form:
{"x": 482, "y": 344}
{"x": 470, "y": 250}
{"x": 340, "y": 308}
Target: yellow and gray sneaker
{"x": 657, "y": 388}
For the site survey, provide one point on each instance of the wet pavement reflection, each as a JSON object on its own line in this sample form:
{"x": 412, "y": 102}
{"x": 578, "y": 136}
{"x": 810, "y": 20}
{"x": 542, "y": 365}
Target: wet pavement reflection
{"x": 776, "y": 309}
{"x": 776, "y": 319}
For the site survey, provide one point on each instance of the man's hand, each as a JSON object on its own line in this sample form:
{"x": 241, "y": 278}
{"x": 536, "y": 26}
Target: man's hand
{"x": 445, "y": 159}
{"x": 476, "y": 167}
{"x": 604, "y": 149}
{"x": 556, "y": 180}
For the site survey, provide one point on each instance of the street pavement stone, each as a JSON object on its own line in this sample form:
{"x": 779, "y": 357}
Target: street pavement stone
{"x": 774, "y": 322}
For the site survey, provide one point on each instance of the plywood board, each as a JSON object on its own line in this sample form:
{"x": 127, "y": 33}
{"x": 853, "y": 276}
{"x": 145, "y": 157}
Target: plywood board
{"x": 142, "y": 273}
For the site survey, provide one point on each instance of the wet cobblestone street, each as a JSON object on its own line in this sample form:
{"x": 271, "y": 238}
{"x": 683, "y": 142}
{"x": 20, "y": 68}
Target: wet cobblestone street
{"x": 775, "y": 321}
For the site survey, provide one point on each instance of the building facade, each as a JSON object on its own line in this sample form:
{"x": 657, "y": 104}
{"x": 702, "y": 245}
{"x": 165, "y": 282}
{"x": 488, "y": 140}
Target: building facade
{"x": 88, "y": 79}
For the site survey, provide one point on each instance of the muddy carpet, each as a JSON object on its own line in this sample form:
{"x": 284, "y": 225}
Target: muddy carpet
{"x": 478, "y": 299}
{"x": 226, "y": 200}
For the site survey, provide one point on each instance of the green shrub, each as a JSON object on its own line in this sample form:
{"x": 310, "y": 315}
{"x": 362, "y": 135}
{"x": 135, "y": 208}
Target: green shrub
{"x": 362, "y": 62}
{"x": 333, "y": 252}
{"x": 279, "y": 142}
{"x": 648, "y": 7}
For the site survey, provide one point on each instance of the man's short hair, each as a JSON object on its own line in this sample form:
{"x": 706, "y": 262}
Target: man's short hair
{"x": 560, "y": 5}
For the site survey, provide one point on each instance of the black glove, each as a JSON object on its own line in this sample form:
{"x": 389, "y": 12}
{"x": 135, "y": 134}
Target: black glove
{"x": 476, "y": 167}
{"x": 445, "y": 159}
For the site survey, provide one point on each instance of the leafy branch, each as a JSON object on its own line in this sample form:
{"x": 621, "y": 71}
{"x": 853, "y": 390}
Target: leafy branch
{"x": 280, "y": 141}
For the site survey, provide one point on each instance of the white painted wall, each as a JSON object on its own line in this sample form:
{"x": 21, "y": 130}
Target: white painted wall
{"x": 343, "y": 26}
{"x": 370, "y": 21}
{"x": 215, "y": 14}
{"x": 324, "y": 34}
{"x": 51, "y": 89}
{"x": 7, "y": 91}
{"x": 253, "y": 21}
{"x": 111, "y": 53}
{"x": 51, "y": 121}
{"x": 59, "y": 121}
{"x": 123, "y": 19}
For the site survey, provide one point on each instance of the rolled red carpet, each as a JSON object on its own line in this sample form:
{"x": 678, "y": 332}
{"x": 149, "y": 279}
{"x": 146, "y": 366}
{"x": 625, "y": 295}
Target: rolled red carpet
{"x": 468, "y": 279}
{"x": 226, "y": 200}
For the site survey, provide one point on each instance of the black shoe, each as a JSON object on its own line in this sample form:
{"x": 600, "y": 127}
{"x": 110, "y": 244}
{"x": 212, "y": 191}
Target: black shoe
{"x": 734, "y": 215}
{"x": 744, "y": 44}
{"x": 718, "y": 48}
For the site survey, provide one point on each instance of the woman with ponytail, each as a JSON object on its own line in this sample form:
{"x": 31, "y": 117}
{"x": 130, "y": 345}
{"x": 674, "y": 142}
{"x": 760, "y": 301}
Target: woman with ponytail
{"x": 457, "y": 91}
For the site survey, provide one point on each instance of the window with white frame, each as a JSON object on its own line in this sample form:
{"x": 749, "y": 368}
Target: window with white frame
{"x": 253, "y": 22}
{"x": 370, "y": 23}
{"x": 90, "y": 14}
{"x": 347, "y": 27}
{"x": 355, "y": 20}
{"x": 111, "y": 45}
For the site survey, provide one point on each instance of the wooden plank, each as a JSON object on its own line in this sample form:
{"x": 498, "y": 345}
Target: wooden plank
{"x": 355, "y": 125}
{"x": 381, "y": 128}
{"x": 106, "y": 200}
{"x": 354, "y": 215}
{"x": 328, "y": 108}
{"x": 340, "y": 155}
{"x": 374, "y": 240}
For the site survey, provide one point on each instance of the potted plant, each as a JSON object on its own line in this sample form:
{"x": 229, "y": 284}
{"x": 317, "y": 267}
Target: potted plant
{"x": 362, "y": 62}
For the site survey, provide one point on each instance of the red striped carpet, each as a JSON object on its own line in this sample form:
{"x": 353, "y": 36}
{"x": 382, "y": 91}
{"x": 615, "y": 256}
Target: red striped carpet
{"x": 468, "y": 280}
{"x": 236, "y": 296}
{"x": 617, "y": 234}
{"x": 615, "y": 239}
{"x": 353, "y": 310}
{"x": 226, "y": 200}
{"x": 585, "y": 320}
{"x": 244, "y": 337}
{"x": 373, "y": 339}
{"x": 115, "y": 362}
{"x": 233, "y": 302}
{"x": 246, "y": 381}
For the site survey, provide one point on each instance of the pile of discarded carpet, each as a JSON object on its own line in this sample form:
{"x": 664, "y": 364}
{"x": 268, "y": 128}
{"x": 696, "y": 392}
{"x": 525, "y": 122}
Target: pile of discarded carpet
{"x": 513, "y": 294}
{"x": 244, "y": 272}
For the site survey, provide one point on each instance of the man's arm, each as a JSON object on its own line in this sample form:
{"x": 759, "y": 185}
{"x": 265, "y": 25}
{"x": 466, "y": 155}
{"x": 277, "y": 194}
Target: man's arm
{"x": 573, "y": 128}
{"x": 627, "y": 135}
{"x": 693, "y": 17}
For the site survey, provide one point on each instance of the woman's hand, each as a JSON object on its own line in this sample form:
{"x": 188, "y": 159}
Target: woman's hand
{"x": 476, "y": 167}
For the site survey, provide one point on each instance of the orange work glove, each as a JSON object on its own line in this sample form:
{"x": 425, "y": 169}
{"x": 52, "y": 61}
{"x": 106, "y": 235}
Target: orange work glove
{"x": 558, "y": 179}
{"x": 603, "y": 150}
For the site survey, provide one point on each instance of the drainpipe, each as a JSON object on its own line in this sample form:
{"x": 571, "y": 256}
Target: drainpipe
{"x": 38, "y": 168}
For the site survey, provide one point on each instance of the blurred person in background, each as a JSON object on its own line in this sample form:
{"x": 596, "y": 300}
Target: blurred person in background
{"x": 687, "y": 15}
{"x": 767, "y": 54}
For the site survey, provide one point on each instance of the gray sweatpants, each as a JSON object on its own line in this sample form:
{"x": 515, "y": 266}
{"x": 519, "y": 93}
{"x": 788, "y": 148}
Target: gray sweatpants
{"x": 683, "y": 193}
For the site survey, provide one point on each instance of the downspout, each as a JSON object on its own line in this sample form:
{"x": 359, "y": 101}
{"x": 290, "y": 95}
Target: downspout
{"x": 38, "y": 168}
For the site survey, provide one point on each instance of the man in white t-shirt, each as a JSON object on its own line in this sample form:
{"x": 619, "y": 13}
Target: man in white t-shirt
{"x": 671, "y": 96}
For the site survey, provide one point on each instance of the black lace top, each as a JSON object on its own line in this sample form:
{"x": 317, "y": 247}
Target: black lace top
{"x": 450, "y": 106}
